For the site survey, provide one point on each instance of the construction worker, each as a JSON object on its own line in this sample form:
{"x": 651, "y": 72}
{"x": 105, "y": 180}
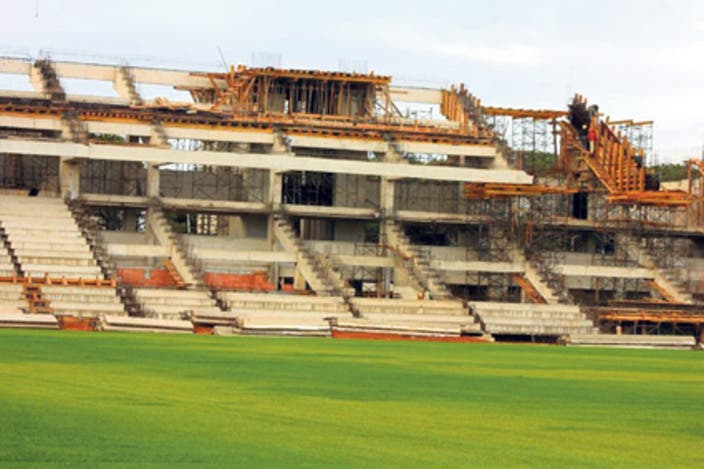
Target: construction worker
{"x": 584, "y": 136}
{"x": 591, "y": 138}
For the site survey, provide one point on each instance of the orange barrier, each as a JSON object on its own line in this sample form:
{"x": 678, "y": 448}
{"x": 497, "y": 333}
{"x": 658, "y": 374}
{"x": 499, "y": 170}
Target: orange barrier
{"x": 70, "y": 323}
{"x": 200, "y": 329}
{"x": 70, "y": 282}
{"x": 239, "y": 282}
{"x": 139, "y": 278}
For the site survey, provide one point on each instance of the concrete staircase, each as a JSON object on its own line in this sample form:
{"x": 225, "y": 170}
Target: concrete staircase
{"x": 538, "y": 275}
{"x": 666, "y": 280}
{"x": 308, "y": 265}
{"x": 415, "y": 262}
{"x": 532, "y": 319}
{"x": 124, "y": 86}
{"x": 161, "y": 229}
{"x": 92, "y": 230}
{"x": 50, "y": 84}
{"x": 7, "y": 265}
{"x": 165, "y": 303}
{"x": 45, "y": 238}
{"x": 73, "y": 129}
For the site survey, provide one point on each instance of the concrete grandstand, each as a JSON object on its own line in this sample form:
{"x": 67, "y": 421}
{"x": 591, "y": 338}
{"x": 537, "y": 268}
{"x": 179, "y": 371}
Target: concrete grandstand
{"x": 301, "y": 202}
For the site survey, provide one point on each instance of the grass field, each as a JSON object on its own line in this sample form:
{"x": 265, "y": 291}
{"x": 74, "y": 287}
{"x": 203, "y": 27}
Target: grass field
{"x": 131, "y": 399}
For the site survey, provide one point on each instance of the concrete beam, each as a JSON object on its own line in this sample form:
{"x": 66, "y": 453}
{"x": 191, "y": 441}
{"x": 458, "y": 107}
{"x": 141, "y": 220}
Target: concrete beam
{"x": 604, "y": 272}
{"x": 30, "y": 123}
{"x": 15, "y": 66}
{"x": 314, "y": 211}
{"x": 247, "y": 257}
{"x": 222, "y": 206}
{"x": 110, "y": 200}
{"x": 415, "y": 95}
{"x": 263, "y": 161}
{"x": 439, "y": 217}
{"x": 364, "y": 261}
{"x": 137, "y": 250}
{"x": 348, "y": 144}
{"x": 233, "y": 135}
{"x": 481, "y": 151}
{"x": 478, "y": 266}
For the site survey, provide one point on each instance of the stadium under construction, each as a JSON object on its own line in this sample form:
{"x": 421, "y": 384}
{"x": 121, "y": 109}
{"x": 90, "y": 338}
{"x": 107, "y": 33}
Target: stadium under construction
{"x": 305, "y": 202}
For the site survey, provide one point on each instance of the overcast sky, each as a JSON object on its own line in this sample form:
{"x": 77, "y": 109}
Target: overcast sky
{"x": 642, "y": 59}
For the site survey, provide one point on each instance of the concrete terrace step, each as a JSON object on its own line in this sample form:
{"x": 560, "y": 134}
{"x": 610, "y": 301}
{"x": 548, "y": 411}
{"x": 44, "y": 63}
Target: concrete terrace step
{"x": 170, "y": 293}
{"x": 375, "y": 305}
{"x": 53, "y": 253}
{"x": 416, "y": 329}
{"x": 56, "y": 260}
{"x": 50, "y": 244}
{"x": 284, "y": 330}
{"x": 530, "y": 307}
{"x": 46, "y": 233}
{"x": 130, "y": 324}
{"x": 87, "y": 291}
{"x": 86, "y": 309}
{"x": 271, "y": 302}
{"x": 494, "y": 321}
{"x": 29, "y": 321}
{"x": 455, "y": 319}
{"x": 39, "y": 222}
{"x": 279, "y": 319}
{"x": 91, "y": 271}
{"x": 636, "y": 341}
{"x": 538, "y": 330}
{"x": 13, "y": 306}
{"x": 80, "y": 298}
{"x": 9, "y": 297}
{"x": 543, "y": 315}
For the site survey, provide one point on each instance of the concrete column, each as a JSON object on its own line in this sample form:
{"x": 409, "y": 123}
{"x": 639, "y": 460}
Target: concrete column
{"x": 236, "y": 227}
{"x": 153, "y": 181}
{"x": 69, "y": 178}
{"x": 274, "y": 201}
{"x": 129, "y": 220}
{"x": 35, "y": 78}
{"x": 279, "y": 143}
{"x": 386, "y": 196}
{"x": 275, "y": 186}
{"x": 120, "y": 85}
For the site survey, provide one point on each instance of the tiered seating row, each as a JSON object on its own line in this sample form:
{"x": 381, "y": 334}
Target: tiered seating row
{"x": 421, "y": 317}
{"x": 532, "y": 319}
{"x": 283, "y": 314}
{"x": 164, "y": 303}
{"x": 45, "y": 238}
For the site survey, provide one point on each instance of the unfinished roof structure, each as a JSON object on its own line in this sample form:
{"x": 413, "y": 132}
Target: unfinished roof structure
{"x": 311, "y": 202}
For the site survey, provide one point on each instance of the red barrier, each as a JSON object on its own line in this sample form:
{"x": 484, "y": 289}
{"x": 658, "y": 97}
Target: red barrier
{"x": 139, "y": 278}
{"x": 70, "y": 323}
{"x": 239, "y": 282}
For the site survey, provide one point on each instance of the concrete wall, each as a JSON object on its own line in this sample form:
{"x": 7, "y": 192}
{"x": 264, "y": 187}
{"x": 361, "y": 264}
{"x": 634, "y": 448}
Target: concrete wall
{"x": 24, "y": 171}
{"x": 356, "y": 191}
{"x": 113, "y": 177}
{"x": 222, "y": 242}
{"x": 431, "y": 196}
{"x": 349, "y": 231}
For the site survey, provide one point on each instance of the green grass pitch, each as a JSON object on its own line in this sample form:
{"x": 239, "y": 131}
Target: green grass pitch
{"x": 84, "y": 399}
